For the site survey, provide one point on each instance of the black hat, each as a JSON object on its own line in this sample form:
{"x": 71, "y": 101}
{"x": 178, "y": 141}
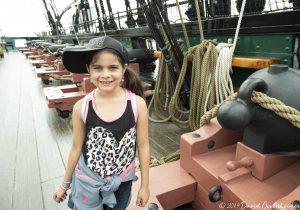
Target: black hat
{"x": 74, "y": 59}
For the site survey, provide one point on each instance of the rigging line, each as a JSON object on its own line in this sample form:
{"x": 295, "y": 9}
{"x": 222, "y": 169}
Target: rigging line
{"x": 130, "y": 20}
{"x": 100, "y": 26}
{"x": 76, "y": 34}
{"x": 141, "y": 19}
{"x": 163, "y": 18}
{"x": 104, "y": 18}
{"x": 58, "y": 24}
{"x": 183, "y": 25}
{"x": 83, "y": 10}
{"x": 238, "y": 26}
{"x": 112, "y": 22}
{"x": 54, "y": 7}
{"x": 67, "y": 8}
{"x": 51, "y": 21}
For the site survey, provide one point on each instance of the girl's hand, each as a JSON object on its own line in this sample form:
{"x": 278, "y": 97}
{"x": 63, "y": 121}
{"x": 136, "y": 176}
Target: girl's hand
{"x": 60, "y": 194}
{"x": 142, "y": 197}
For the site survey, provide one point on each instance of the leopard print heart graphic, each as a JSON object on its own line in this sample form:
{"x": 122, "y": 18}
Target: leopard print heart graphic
{"x": 106, "y": 156}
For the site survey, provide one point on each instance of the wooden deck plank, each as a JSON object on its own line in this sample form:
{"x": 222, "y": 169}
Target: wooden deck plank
{"x": 51, "y": 163}
{"x": 27, "y": 193}
{"x": 164, "y": 138}
{"x": 8, "y": 133}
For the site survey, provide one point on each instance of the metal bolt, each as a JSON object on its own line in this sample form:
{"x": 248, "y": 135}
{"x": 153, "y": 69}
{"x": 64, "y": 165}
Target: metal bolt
{"x": 287, "y": 38}
{"x": 287, "y": 48}
{"x": 211, "y": 144}
{"x": 196, "y": 135}
{"x": 257, "y": 46}
{"x": 296, "y": 204}
{"x": 153, "y": 206}
{"x": 285, "y": 60}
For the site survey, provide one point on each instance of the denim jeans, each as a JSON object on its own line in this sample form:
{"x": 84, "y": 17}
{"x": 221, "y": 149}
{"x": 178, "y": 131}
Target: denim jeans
{"x": 122, "y": 196}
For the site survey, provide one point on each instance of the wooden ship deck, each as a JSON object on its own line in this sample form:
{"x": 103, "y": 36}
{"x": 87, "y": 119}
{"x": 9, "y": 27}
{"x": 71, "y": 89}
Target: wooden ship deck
{"x": 35, "y": 141}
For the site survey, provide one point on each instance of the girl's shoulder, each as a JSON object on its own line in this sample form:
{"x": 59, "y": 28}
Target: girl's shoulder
{"x": 77, "y": 106}
{"x": 140, "y": 103}
{"x": 139, "y": 100}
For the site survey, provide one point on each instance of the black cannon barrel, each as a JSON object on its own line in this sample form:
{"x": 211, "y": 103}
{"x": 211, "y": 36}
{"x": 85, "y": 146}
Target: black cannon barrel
{"x": 265, "y": 131}
{"x": 141, "y": 56}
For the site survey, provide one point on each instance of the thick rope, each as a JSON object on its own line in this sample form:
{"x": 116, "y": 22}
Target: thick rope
{"x": 183, "y": 26}
{"x": 223, "y": 85}
{"x": 164, "y": 89}
{"x": 286, "y": 112}
{"x": 213, "y": 112}
{"x": 238, "y": 26}
{"x": 202, "y": 96}
{"x": 199, "y": 20}
{"x": 176, "y": 110}
{"x": 169, "y": 158}
{"x": 279, "y": 108}
{"x": 60, "y": 77}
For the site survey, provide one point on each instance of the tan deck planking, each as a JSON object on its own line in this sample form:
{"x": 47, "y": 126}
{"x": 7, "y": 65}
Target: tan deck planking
{"x": 35, "y": 141}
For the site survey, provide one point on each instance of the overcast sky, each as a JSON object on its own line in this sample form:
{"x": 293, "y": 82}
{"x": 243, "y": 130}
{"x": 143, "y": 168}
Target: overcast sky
{"x": 15, "y": 20}
{"x": 27, "y": 17}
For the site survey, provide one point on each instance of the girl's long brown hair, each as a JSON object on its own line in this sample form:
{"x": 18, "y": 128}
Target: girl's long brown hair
{"x": 132, "y": 82}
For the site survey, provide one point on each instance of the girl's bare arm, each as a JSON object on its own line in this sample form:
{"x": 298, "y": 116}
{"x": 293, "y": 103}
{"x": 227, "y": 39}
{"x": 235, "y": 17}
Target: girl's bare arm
{"x": 143, "y": 151}
{"x": 77, "y": 140}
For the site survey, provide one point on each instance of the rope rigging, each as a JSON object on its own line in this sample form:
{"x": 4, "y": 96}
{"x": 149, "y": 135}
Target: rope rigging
{"x": 210, "y": 79}
{"x": 205, "y": 79}
{"x": 100, "y": 26}
{"x": 141, "y": 19}
{"x": 76, "y": 19}
{"x": 112, "y": 23}
{"x": 130, "y": 22}
{"x": 84, "y": 6}
{"x": 50, "y": 19}
{"x": 104, "y": 17}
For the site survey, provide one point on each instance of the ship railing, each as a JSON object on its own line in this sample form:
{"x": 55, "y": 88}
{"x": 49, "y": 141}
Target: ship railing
{"x": 209, "y": 9}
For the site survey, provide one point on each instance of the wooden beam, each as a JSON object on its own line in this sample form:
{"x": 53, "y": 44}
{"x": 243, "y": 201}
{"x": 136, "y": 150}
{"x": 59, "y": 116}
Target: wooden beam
{"x": 244, "y": 62}
{"x": 253, "y": 63}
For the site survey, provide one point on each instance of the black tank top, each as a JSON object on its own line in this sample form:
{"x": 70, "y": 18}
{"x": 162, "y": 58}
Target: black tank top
{"x": 109, "y": 147}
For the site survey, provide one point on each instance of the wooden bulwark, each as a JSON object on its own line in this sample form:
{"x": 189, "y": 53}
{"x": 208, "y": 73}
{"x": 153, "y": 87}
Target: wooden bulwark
{"x": 244, "y": 62}
{"x": 253, "y": 63}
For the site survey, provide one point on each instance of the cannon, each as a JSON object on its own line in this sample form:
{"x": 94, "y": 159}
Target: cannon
{"x": 246, "y": 158}
{"x": 265, "y": 131}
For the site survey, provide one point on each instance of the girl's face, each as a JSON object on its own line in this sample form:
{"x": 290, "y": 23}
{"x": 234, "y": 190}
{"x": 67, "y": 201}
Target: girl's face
{"x": 106, "y": 71}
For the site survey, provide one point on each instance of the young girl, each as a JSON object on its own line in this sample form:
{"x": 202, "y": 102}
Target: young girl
{"x": 107, "y": 125}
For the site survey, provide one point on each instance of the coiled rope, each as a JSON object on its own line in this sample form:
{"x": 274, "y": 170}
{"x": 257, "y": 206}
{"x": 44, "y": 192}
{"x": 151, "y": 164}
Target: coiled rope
{"x": 224, "y": 86}
{"x": 210, "y": 81}
{"x": 164, "y": 89}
